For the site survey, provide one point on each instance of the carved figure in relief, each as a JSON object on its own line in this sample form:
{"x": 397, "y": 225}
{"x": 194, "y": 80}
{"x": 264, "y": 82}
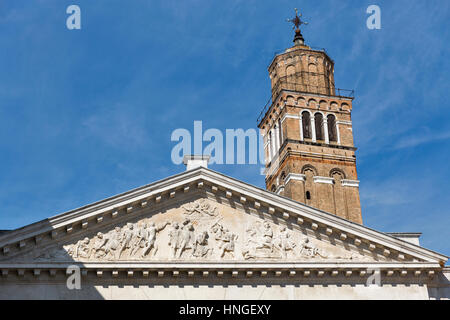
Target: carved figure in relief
{"x": 138, "y": 239}
{"x": 226, "y": 240}
{"x": 126, "y": 238}
{"x": 149, "y": 237}
{"x": 132, "y": 237}
{"x": 251, "y": 244}
{"x": 174, "y": 238}
{"x": 308, "y": 249}
{"x": 186, "y": 238}
{"x": 182, "y": 238}
{"x": 113, "y": 243}
{"x": 267, "y": 237}
{"x": 82, "y": 249}
{"x": 261, "y": 242}
{"x": 200, "y": 248}
{"x": 99, "y": 249}
{"x": 200, "y": 206}
{"x": 283, "y": 242}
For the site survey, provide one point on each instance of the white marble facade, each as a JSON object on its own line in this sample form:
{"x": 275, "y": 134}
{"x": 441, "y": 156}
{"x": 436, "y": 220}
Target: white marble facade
{"x": 202, "y": 235}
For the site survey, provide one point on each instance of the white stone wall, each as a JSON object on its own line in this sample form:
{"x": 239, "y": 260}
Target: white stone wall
{"x": 441, "y": 289}
{"x": 248, "y": 291}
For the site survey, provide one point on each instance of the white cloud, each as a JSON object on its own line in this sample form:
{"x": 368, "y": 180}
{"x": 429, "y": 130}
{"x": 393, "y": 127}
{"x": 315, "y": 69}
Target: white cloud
{"x": 418, "y": 139}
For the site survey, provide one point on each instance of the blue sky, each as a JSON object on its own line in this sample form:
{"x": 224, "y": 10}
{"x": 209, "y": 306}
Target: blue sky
{"x": 86, "y": 114}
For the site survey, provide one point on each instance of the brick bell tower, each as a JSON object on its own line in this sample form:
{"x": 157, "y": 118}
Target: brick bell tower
{"x": 307, "y": 130}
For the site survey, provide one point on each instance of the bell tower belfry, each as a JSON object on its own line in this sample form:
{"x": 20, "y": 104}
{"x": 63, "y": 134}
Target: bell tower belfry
{"x": 307, "y": 130}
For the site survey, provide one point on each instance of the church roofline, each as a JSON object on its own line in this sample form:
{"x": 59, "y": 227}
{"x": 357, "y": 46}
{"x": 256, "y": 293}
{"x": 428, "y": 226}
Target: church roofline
{"x": 405, "y": 234}
{"x": 197, "y": 178}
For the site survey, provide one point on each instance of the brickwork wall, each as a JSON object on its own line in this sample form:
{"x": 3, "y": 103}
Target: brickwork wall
{"x": 311, "y": 157}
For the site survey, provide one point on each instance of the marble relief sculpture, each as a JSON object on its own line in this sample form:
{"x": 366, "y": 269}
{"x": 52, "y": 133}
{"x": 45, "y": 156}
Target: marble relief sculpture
{"x": 82, "y": 249}
{"x": 149, "y": 238}
{"x": 225, "y": 239}
{"x": 284, "y": 242}
{"x": 199, "y": 232}
{"x": 201, "y": 248}
{"x": 308, "y": 249}
{"x": 201, "y": 207}
{"x": 262, "y": 243}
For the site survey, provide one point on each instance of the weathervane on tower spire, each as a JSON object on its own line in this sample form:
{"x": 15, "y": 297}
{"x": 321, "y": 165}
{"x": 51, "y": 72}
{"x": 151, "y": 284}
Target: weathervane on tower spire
{"x": 298, "y": 39}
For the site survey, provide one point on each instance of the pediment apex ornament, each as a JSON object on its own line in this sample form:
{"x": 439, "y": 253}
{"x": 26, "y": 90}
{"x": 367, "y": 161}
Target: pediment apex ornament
{"x": 201, "y": 207}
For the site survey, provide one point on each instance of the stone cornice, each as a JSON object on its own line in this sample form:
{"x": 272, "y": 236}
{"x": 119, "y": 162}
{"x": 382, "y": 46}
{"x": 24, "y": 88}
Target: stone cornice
{"x": 256, "y": 269}
{"x": 326, "y": 180}
{"x": 345, "y": 122}
{"x": 224, "y": 265}
{"x": 289, "y": 116}
{"x": 350, "y": 183}
{"x": 295, "y": 176}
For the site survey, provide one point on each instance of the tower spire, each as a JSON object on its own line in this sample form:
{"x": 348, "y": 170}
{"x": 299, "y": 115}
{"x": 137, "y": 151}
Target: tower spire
{"x": 297, "y": 22}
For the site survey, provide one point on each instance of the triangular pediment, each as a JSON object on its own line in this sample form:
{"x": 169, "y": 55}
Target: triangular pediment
{"x": 205, "y": 217}
{"x": 198, "y": 229}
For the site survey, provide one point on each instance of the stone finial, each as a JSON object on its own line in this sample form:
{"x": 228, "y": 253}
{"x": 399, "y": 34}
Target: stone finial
{"x": 195, "y": 161}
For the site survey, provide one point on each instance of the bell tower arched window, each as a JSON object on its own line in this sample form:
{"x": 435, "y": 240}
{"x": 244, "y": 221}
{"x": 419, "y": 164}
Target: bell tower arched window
{"x": 332, "y": 130}
{"x": 318, "y": 120}
{"x": 306, "y": 124}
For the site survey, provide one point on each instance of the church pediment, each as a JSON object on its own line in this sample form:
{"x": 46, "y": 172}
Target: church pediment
{"x": 201, "y": 230}
{"x": 201, "y": 216}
